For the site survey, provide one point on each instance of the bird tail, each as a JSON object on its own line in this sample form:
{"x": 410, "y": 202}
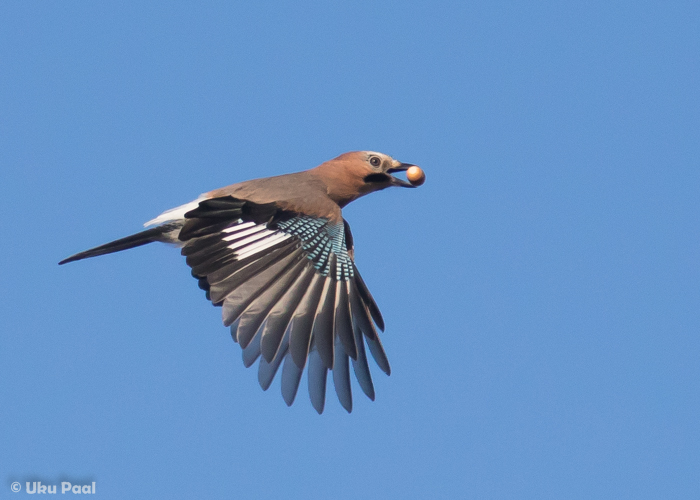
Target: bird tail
{"x": 135, "y": 240}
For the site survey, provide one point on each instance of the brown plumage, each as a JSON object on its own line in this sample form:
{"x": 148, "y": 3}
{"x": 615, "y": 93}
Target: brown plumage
{"x": 277, "y": 256}
{"x": 324, "y": 190}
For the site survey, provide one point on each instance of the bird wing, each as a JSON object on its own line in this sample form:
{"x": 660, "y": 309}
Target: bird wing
{"x": 290, "y": 292}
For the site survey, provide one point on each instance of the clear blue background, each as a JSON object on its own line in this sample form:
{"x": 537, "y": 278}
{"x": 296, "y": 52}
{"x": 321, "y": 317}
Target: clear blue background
{"x": 541, "y": 290}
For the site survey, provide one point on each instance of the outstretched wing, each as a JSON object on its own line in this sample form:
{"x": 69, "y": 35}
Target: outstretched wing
{"x": 289, "y": 290}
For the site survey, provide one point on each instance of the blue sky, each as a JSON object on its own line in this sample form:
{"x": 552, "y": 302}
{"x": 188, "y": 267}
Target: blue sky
{"x": 541, "y": 290}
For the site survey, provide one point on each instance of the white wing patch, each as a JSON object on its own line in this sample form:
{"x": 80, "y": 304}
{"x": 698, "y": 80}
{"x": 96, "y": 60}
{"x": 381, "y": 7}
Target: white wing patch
{"x": 248, "y": 238}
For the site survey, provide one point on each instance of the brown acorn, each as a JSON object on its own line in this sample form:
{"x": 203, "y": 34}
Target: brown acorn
{"x": 415, "y": 175}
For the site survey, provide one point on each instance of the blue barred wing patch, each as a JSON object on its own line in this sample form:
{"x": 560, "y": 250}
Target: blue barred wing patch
{"x": 320, "y": 238}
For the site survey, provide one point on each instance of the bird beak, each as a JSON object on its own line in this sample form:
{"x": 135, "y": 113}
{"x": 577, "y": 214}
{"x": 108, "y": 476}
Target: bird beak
{"x": 399, "y": 167}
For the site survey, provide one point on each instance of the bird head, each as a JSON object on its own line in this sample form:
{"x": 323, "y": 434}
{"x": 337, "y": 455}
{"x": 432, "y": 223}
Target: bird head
{"x": 358, "y": 173}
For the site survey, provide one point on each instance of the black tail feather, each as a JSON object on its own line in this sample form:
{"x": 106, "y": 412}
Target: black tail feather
{"x": 135, "y": 240}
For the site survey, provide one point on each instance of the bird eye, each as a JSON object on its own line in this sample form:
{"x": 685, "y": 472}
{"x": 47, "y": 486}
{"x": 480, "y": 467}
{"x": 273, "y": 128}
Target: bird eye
{"x": 374, "y": 161}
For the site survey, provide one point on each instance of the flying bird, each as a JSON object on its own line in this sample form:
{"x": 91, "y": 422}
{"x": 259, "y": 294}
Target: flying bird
{"x": 278, "y": 258}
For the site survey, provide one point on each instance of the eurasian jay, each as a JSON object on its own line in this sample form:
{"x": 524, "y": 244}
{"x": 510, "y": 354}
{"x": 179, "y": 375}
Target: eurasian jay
{"x": 277, "y": 256}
